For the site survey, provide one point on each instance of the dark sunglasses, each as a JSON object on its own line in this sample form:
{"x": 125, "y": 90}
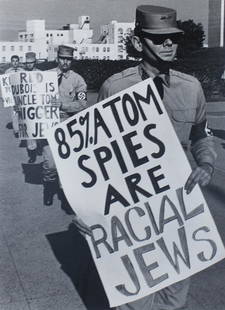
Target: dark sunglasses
{"x": 159, "y": 39}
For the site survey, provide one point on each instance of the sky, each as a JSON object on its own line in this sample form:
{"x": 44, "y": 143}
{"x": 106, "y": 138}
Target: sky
{"x": 14, "y": 13}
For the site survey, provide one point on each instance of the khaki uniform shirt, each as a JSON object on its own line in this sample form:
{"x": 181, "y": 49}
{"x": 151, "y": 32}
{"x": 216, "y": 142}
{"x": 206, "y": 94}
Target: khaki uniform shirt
{"x": 72, "y": 89}
{"x": 185, "y": 104}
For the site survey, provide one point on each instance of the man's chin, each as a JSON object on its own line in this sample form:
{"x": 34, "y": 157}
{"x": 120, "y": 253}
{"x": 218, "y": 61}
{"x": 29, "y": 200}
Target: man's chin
{"x": 65, "y": 69}
{"x": 167, "y": 57}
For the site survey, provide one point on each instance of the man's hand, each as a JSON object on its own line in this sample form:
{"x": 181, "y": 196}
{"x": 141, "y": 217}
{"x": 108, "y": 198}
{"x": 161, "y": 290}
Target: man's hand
{"x": 56, "y": 102}
{"x": 1, "y": 102}
{"x": 73, "y": 106}
{"x": 16, "y": 108}
{"x": 81, "y": 226}
{"x": 201, "y": 175}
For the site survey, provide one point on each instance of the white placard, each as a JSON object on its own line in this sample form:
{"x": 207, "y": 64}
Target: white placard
{"x": 123, "y": 171}
{"x": 34, "y": 94}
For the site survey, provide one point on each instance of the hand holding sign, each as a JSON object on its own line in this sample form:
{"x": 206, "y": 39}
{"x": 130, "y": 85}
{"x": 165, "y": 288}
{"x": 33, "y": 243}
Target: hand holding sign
{"x": 56, "y": 102}
{"x": 200, "y": 175}
{"x": 1, "y": 101}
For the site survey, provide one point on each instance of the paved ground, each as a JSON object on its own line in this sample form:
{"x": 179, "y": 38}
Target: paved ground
{"x": 39, "y": 260}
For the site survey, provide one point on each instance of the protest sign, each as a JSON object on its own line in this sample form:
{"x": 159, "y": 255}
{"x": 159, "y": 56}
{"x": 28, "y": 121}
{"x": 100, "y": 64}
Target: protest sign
{"x": 123, "y": 171}
{"x": 34, "y": 94}
{"x": 6, "y": 91}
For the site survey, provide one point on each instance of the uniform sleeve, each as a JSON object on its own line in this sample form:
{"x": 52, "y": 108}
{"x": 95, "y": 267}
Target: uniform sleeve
{"x": 104, "y": 91}
{"x": 79, "y": 101}
{"x": 80, "y": 84}
{"x": 202, "y": 140}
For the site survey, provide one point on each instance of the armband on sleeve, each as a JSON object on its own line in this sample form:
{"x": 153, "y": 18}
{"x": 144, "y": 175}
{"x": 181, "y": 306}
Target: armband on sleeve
{"x": 200, "y": 131}
{"x": 81, "y": 95}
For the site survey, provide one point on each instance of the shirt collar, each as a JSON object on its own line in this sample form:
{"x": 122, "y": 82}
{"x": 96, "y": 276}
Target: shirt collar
{"x": 153, "y": 72}
{"x": 64, "y": 74}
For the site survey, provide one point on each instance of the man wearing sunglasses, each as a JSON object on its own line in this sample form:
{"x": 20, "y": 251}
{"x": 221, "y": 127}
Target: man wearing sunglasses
{"x": 156, "y": 38}
{"x": 15, "y": 67}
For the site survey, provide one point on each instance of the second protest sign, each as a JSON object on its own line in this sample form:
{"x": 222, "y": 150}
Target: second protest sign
{"x": 34, "y": 93}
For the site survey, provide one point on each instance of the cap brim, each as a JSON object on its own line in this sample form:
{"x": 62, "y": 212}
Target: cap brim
{"x": 163, "y": 31}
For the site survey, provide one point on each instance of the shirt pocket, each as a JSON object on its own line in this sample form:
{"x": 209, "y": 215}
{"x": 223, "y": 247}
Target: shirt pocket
{"x": 182, "y": 120}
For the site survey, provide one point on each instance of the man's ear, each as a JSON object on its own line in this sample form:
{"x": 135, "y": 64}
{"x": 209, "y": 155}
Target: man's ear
{"x": 137, "y": 43}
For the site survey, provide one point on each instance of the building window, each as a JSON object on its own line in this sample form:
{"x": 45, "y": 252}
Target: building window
{"x": 21, "y": 58}
{"x": 50, "y": 34}
{"x": 3, "y": 48}
{"x": 61, "y": 34}
{"x": 57, "y": 34}
{"x": 12, "y": 48}
{"x": 120, "y": 48}
{"x": 47, "y": 34}
{"x": 120, "y": 39}
{"x": 108, "y": 49}
{"x": 104, "y": 49}
{"x": 3, "y": 59}
{"x": 29, "y": 48}
{"x": 97, "y": 49}
{"x": 21, "y": 48}
{"x": 120, "y": 30}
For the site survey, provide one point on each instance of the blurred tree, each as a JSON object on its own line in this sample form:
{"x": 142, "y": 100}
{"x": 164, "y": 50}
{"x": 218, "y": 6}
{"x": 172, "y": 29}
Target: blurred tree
{"x": 193, "y": 37}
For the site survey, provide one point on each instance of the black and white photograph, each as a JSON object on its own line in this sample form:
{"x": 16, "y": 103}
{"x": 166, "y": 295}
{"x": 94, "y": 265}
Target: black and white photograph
{"x": 112, "y": 147}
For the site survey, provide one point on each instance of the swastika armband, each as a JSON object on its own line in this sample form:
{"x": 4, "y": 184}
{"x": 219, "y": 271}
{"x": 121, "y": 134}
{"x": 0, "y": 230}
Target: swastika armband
{"x": 81, "y": 95}
{"x": 199, "y": 131}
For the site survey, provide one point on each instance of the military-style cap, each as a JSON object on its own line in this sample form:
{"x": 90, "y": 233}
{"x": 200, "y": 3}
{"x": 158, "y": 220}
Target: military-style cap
{"x": 156, "y": 19}
{"x": 65, "y": 51}
{"x": 30, "y": 57}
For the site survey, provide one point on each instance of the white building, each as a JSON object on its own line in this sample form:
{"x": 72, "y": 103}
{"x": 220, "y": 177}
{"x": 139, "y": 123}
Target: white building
{"x": 8, "y": 48}
{"x": 45, "y": 42}
{"x": 115, "y": 33}
{"x": 71, "y": 33}
{"x": 111, "y": 44}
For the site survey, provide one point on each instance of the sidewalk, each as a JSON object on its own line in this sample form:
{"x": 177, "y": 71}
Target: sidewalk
{"x": 31, "y": 278}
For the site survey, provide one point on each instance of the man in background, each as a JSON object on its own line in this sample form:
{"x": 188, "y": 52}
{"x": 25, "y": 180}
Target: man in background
{"x": 15, "y": 67}
{"x": 30, "y": 65}
{"x": 72, "y": 99}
